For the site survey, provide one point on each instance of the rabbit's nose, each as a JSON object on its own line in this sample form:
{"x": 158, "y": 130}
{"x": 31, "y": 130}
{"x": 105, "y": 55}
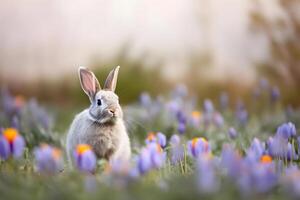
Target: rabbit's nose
{"x": 112, "y": 111}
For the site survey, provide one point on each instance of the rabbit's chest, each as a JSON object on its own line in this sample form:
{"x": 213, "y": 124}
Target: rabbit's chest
{"x": 104, "y": 141}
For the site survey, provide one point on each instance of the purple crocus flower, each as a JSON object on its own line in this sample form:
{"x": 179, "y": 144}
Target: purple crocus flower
{"x": 180, "y": 91}
{"x": 242, "y": 116}
{"x": 11, "y": 105}
{"x": 48, "y": 159}
{"x": 264, "y": 177}
{"x": 208, "y": 106}
{"x": 157, "y": 155}
{"x": 181, "y": 128}
{"x": 291, "y": 153}
{"x": 173, "y": 107}
{"x": 286, "y": 130}
{"x": 177, "y": 150}
{"x": 85, "y": 159}
{"x": 231, "y": 160}
{"x": 181, "y": 117}
{"x": 298, "y": 142}
{"x": 224, "y": 99}
{"x": 218, "y": 120}
{"x": 174, "y": 140}
{"x": 197, "y": 146}
{"x": 159, "y": 138}
{"x": 232, "y": 133}
{"x": 206, "y": 176}
{"x": 195, "y": 118}
{"x": 257, "y": 147}
{"x": 144, "y": 161}
{"x": 11, "y": 143}
{"x": 290, "y": 181}
{"x": 275, "y": 94}
{"x": 280, "y": 147}
{"x": 145, "y": 99}
{"x": 119, "y": 167}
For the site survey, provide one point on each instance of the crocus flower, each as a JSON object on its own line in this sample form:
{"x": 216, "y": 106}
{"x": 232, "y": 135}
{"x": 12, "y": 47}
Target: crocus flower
{"x": 181, "y": 128}
{"x": 208, "y": 106}
{"x": 173, "y": 107}
{"x": 11, "y": 105}
{"x": 242, "y": 116}
{"x": 181, "y": 117}
{"x": 218, "y": 120}
{"x": 197, "y": 146}
{"x": 85, "y": 158}
{"x": 144, "y": 161}
{"x": 151, "y": 157}
{"x": 159, "y": 138}
{"x": 298, "y": 143}
{"x": 11, "y": 143}
{"x": 145, "y": 99}
{"x": 277, "y": 146}
{"x": 291, "y": 153}
{"x": 231, "y": 160}
{"x": 286, "y": 130}
{"x": 174, "y": 140}
{"x": 291, "y": 183}
{"x": 195, "y": 118}
{"x": 157, "y": 155}
{"x": 119, "y": 167}
{"x": 280, "y": 147}
{"x": 177, "y": 150}
{"x": 206, "y": 175}
{"x": 263, "y": 176}
{"x": 275, "y": 94}
{"x": 224, "y": 99}
{"x": 232, "y": 133}
{"x": 265, "y": 159}
{"x": 257, "y": 147}
{"x": 241, "y": 113}
{"x": 151, "y": 137}
{"x": 180, "y": 91}
{"x": 48, "y": 159}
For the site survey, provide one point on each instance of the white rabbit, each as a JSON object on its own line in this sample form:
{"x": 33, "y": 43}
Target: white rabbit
{"x": 101, "y": 125}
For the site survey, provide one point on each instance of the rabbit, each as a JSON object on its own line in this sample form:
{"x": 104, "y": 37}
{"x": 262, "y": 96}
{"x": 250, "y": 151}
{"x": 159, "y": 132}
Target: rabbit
{"x": 101, "y": 125}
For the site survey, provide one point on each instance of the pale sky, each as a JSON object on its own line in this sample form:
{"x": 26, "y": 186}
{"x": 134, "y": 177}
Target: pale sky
{"x": 48, "y": 38}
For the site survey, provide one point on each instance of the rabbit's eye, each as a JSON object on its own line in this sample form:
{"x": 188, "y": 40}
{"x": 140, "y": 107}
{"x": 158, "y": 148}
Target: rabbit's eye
{"x": 99, "y": 102}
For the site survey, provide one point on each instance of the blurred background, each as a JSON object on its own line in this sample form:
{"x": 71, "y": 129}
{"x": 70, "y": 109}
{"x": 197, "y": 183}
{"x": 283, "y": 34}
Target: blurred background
{"x": 208, "y": 45}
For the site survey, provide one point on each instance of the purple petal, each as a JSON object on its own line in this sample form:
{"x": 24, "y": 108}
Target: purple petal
{"x": 4, "y": 148}
{"x": 18, "y": 147}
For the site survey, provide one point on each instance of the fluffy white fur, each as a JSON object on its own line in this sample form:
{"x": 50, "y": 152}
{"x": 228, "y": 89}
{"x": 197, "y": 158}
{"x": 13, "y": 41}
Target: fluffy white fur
{"x": 100, "y": 126}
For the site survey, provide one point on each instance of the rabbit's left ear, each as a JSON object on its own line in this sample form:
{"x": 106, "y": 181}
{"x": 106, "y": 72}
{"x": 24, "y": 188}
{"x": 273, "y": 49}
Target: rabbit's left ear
{"x": 111, "y": 80}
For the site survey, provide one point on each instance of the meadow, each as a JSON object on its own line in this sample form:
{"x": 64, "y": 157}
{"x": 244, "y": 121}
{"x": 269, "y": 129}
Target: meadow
{"x": 182, "y": 148}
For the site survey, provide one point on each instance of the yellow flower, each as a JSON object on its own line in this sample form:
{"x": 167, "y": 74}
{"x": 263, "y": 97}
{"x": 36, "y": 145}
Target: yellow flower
{"x": 266, "y": 159}
{"x": 10, "y": 134}
{"x": 196, "y": 114}
{"x": 82, "y": 148}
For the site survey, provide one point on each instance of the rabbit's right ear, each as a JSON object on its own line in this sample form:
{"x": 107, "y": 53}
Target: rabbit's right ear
{"x": 89, "y": 82}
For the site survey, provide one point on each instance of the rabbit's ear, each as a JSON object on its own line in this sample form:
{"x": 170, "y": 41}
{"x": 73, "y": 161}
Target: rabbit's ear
{"x": 111, "y": 80}
{"x": 89, "y": 82}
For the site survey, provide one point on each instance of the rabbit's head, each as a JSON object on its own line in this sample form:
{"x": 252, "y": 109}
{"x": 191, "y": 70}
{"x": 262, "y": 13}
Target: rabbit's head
{"x": 105, "y": 108}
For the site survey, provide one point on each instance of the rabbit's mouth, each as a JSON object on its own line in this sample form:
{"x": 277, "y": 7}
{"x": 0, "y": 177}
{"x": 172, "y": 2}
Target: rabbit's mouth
{"x": 104, "y": 118}
{"x": 108, "y": 119}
